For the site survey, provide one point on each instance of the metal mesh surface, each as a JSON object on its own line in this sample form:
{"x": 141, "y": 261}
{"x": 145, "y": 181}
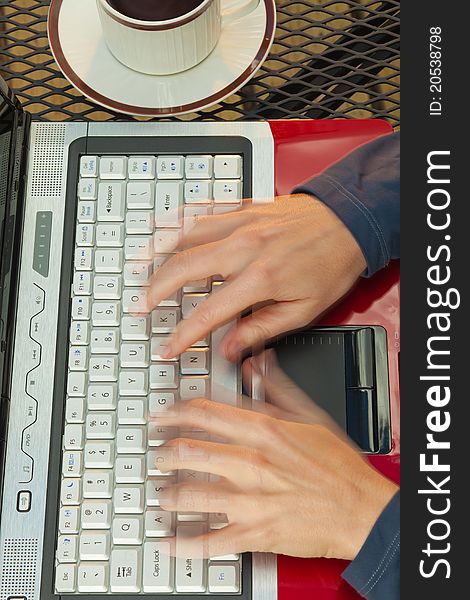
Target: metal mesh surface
{"x": 330, "y": 60}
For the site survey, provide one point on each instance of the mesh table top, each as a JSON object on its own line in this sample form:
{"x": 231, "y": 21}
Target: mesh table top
{"x": 329, "y": 60}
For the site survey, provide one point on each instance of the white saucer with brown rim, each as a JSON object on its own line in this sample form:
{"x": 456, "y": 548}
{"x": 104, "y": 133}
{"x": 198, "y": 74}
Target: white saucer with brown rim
{"x": 78, "y": 46}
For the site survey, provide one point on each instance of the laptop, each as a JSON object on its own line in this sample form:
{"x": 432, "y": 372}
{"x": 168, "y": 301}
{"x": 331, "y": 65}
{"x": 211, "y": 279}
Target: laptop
{"x": 87, "y": 212}
{"x": 81, "y": 376}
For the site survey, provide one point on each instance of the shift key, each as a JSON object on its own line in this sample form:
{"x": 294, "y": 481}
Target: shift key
{"x": 190, "y": 571}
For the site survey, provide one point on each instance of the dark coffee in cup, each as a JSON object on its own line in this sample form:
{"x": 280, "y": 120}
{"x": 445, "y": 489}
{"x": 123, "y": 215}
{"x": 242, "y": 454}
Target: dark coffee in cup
{"x": 154, "y": 10}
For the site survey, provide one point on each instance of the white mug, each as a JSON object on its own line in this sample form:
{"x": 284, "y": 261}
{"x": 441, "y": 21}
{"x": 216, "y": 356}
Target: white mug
{"x": 166, "y": 47}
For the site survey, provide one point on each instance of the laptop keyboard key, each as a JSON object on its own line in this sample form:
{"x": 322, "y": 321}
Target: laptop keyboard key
{"x": 113, "y": 167}
{"x": 69, "y": 519}
{"x": 113, "y": 536}
{"x": 99, "y": 455}
{"x": 128, "y": 530}
{"x": 170, "y": 167}
{"x": 65, "y": 578}
{"x": 67, "y": 549}
{"x": 93, "y": 577}
{"x": 87, "y": 211}
{"x": 126, "y": 570}
{"x": 97, "y": 484}
{"x": 89, "y": 166}
{"x": 158, "y": 567}
{"x": 140, "y": 194}
{"x": 224, "y": 579}
{"x": 96, "y": 515}
{"x": 111, "y": 201}
{"x": 190, "y": 571}
{"x": 95, "y": 545}
{"x": 141, "y": 167}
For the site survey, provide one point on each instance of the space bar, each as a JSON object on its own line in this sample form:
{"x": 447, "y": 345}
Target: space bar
{"x": 224, "y": 380}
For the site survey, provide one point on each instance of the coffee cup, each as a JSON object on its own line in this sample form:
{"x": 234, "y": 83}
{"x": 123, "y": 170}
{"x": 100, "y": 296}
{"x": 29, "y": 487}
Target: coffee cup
{"x": 162, "y": 37}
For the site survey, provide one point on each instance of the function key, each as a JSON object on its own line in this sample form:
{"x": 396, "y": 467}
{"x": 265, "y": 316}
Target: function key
{"x": 85, "y": 234}
{"x": 141, "y": 167}
{"x": 228, "y": 166}
{"x": 67, "y": 549}
{"x": 86, "y": 211}
{"x": 224, "y": 579}
{"x": 83, "y": 259}
{"x": 69, "y": 520}
{"x": 199, "y": 167}
{"x": 87, "y": 189}
{"x": 65, "y": 576}
{"x": 113, "y": 167}
{"x": 170, "y": 167}
{"x": 82, "y": 281}
{"x": 89, "y": 166}
{"x": 70, "y": 492}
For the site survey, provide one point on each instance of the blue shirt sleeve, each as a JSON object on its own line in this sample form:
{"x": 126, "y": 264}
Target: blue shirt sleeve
{"x": 363, "y": 189}
{"x": 375, "y": 572}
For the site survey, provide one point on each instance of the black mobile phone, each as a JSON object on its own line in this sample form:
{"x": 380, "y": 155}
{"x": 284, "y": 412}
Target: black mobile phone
{"x": 345, "y": 371}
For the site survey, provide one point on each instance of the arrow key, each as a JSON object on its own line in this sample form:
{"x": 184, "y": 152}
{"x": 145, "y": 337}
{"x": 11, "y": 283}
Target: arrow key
{"x": 229, "y": 191}
{"x": 228, "y": 166}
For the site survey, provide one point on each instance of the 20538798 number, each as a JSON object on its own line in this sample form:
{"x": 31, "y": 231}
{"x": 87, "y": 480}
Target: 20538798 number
{"x": 435, "y": 63}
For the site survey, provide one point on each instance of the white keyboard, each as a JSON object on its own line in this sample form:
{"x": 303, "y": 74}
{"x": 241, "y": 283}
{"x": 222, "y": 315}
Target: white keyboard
{"x": 113, "y": 536}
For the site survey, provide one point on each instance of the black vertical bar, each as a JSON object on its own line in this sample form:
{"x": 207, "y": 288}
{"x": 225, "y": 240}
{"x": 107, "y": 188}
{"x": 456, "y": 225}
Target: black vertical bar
{"x": 435, "y": 120}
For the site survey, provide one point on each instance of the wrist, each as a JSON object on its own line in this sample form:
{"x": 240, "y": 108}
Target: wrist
{"x": 375, "y": 494}
{"x": 347, "y": 245}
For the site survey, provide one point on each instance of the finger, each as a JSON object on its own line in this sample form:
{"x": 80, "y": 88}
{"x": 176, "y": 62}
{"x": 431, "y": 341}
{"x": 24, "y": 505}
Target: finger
{"x": 232, "y": 539}
{"x": 279, "y": 388}
{"x": 201, "y": 498}
{"x": 190, "y": 265}
{"x": 237, "y": 425}
{"x": 221, "y": 306}
{"x": 289, "y": 402}
{"x": 226, "y": 460}
{"x": 262, "y": 407}
{"x": 263, "y": 325}
{"x": 216, "y": 227}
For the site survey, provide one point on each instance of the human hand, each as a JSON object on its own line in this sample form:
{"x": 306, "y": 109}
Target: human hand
{"x": 294, "y": 254}
{"x": 282, "y": 397}
{"x": 290, "y": 487}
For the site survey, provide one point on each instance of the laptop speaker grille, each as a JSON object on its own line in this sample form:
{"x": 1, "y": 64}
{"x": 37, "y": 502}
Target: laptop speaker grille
{"x": 48, "y": 160}
{"x": 18, "y": 576}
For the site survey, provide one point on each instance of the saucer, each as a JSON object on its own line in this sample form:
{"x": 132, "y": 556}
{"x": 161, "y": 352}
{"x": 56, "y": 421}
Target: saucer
{"x": 77, "y": 43}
